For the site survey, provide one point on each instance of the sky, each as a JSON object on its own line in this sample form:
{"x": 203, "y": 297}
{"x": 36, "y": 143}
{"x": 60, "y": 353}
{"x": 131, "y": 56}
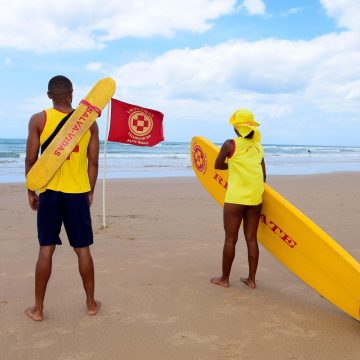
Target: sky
{"x": 294, "y": 63}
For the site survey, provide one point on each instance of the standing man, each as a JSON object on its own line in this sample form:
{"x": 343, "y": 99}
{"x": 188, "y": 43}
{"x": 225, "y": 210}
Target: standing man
{"x": 66, "y": 199}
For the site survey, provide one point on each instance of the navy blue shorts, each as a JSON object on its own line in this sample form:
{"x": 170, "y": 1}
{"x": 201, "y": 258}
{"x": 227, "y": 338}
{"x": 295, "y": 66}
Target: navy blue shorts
{"x": 56, "y": 208}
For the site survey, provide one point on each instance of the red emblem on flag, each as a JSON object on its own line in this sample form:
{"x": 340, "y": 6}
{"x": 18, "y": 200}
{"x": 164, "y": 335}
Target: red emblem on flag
{"x": 132, "y": 124}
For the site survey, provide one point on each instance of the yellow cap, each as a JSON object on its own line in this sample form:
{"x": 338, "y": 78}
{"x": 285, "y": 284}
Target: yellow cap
{"x": 244, "y": 123}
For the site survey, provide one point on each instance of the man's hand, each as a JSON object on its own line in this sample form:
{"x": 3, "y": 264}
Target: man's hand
{"x": 91, "y": 197}
{"x": 33, "y": 199}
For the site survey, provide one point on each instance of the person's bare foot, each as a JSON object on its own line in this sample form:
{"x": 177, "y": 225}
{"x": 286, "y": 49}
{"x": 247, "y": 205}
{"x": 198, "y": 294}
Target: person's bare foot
{"x": 36, "y": 315}
{"x": 220, "y": 281}
{"x": 94, "y": 309}
{"x": 250, "y": 283}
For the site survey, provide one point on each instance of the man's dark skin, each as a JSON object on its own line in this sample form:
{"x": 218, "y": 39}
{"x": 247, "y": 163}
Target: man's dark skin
{"x": 62, "y": 102}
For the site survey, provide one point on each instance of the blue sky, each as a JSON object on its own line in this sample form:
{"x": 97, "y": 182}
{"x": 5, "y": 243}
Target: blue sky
{"x": 295, "y": 63}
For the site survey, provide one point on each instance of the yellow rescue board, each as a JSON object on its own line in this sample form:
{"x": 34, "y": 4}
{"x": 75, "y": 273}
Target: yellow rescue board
{"x": 290, "y": 236}
{"x": 70, "y": 134}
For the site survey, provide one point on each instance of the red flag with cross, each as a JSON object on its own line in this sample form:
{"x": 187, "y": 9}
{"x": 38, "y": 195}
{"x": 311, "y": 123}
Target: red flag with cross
{"x": 132, "y": 124}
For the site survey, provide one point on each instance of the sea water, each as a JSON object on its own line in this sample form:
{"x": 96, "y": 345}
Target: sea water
{"x": 173, "y": 159}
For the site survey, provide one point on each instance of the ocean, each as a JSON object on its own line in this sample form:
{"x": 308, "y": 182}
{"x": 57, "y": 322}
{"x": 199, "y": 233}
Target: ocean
{"x": 173, "y": 159}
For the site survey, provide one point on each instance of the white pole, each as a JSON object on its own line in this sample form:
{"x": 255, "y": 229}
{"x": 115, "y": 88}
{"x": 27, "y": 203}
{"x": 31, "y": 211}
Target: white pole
{"x": 105, "y": 149}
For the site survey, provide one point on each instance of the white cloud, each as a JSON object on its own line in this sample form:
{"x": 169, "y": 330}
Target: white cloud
{"x": 268, "y": 66}
{"x": 346, "y": 12}
{"x": 307, "y": 81}
{"x": 94, "y": 66}
{"x": 292, "y": 11}
{"x": 254, "y": 7}
{"x": 294, "y": 87}
{"x": 72, "y": 25}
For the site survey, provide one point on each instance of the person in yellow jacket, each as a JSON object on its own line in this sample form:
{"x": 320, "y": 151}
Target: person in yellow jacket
{"x": 66, "y": 199}
{"x": 244, "y": 159}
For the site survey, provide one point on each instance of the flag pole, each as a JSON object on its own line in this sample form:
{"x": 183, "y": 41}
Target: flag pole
{"x": 104, "y": 176}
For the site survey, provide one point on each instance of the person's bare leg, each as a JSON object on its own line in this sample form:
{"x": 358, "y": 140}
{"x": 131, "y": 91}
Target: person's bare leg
{"x": 42, "y": 276}
{"x": 232, "y": 219}
{"x": 251, "y": 223}
{"x": 86, "y": 269}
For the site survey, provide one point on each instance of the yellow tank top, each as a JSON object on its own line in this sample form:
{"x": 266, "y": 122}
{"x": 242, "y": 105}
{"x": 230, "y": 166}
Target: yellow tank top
{"x": 245, "y": 180}
{"x": 72, "y": 177}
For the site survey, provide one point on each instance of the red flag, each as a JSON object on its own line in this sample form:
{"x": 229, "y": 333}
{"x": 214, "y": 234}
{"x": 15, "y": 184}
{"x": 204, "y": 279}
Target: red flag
{"x": 132, "y": 124}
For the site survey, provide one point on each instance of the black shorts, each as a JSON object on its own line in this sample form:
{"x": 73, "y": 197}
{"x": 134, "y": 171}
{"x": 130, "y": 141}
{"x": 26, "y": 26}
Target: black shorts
{"x": 56, "y": 208}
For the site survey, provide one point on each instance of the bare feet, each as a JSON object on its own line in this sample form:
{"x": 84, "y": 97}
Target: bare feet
{"x": 36, "y": 315}
{"x": 94, "y": 309}
{"x": 250, "y": 283}
{"x": 220, "y": 281}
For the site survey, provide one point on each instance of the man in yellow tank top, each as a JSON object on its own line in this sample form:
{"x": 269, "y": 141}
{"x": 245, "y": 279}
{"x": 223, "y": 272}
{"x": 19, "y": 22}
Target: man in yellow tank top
{"x": 66, "y": 199}
{"x": 243, "y": 157}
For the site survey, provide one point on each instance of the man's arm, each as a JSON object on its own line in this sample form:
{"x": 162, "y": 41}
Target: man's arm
{"x": 93, "y": 159}
{"x": 32, "y": 150}
{"x": 226, "y": 149}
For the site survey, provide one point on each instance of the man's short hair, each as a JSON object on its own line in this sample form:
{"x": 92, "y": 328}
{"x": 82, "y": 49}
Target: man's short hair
{"x": 60, "y": 85}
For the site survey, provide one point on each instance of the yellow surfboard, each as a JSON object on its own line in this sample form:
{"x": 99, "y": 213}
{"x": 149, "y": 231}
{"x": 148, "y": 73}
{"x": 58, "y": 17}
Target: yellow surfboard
{"x": 70, "y": 134}
{"x": 290, "y": 236}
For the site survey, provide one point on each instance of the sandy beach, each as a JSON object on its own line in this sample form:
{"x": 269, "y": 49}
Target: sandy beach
{"x": 153, "y": 264}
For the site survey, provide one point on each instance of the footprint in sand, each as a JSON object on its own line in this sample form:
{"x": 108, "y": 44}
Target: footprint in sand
{"x": 189, "y": 337}
{"x": 233, "y": 349}
{"x": 43, "y": 343}
{"x": 149, "y": 318}
{"x": 288, "y": 329}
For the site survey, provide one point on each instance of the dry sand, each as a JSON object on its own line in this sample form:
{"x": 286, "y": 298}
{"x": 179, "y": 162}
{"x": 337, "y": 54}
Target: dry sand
{"x": 153, "y": 265}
